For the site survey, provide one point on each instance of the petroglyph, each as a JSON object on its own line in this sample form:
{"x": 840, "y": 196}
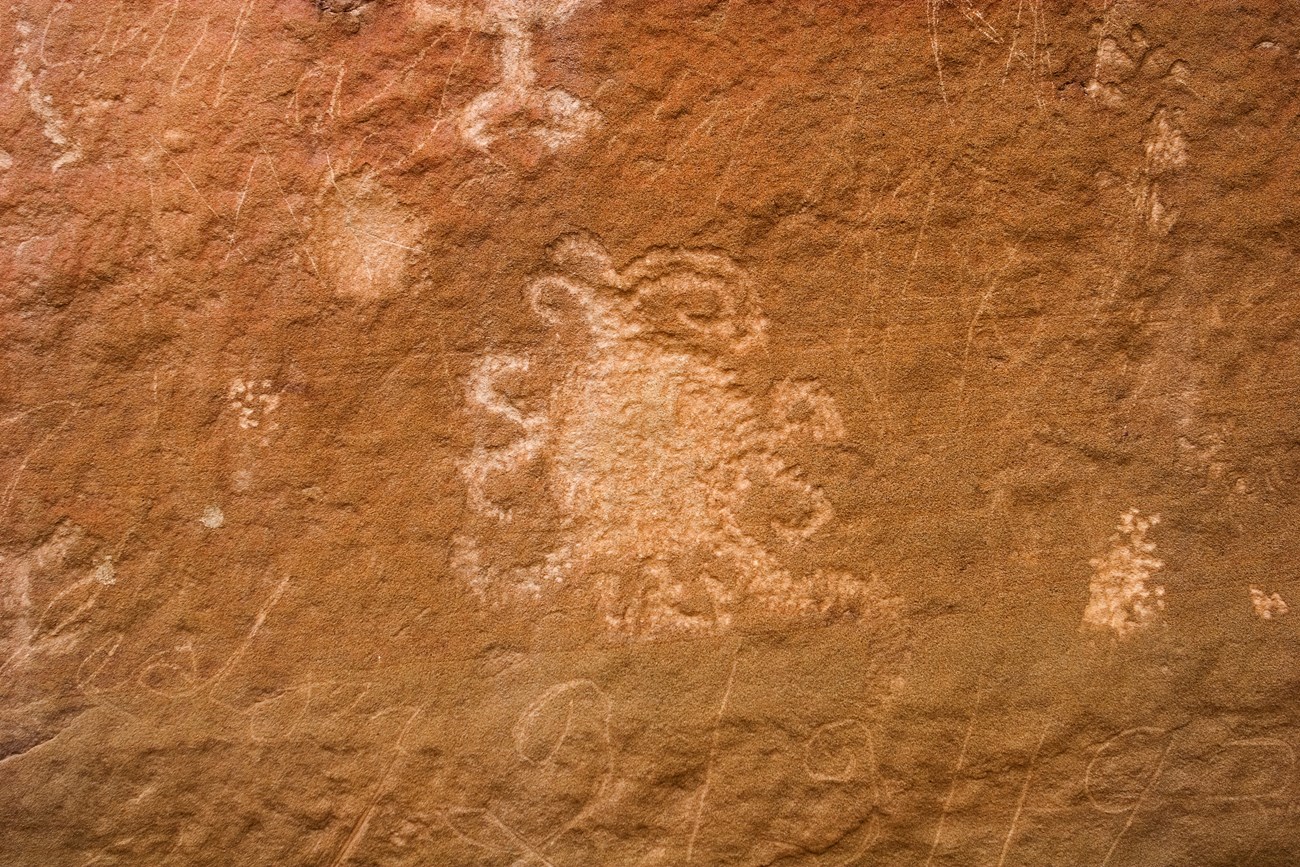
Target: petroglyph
{"x": 104, "y": 572}
{"x": 1113, "y": 66}
{"x": 212, "y": 518}
{"x": 1124, "y": 596}
{"x": 559, "y": 711}
{"x": 25, "y": 634}
{"x": 673, "y": 501}
{"x": 1127, "y": 66}
{"x": 1127, "y": 60}
{"x": 174, "y": 671}
{"x": 1165, "y": 152}
{"x": 1267, "y": 606}
{"x": 313, "y": 414}
{"x": 363, "y": 239}
{"x": 280, "y": 715}
{"x": 830, "y": 812}
{"x": 1185, "y": 781}
{"x": 1146, "y": 761}
{"x": 342, "y": 7}
{"x": 839, "y": 752}
{"x": 804, "y": 409}
{"x": 254, "y": 401}
{"x": 533, "y": 119}
{"x": 25, "y": 79}
{"x": 27, "y": 433}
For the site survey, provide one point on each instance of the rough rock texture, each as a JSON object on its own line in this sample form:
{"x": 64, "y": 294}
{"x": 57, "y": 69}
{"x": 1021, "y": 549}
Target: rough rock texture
{"x": 702, "y": 432}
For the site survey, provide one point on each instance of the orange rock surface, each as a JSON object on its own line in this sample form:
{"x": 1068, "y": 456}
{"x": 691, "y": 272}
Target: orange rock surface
{"x": 558, "y": 433}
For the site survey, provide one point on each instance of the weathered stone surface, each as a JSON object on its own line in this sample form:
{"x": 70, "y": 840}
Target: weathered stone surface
{"x": 561, "y": 432}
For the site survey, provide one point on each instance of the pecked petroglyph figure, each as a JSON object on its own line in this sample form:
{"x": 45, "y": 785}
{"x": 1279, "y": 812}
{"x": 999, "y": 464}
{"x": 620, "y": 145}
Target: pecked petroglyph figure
{"x": 536, "y": 120}
{"x": 661, "y": 484}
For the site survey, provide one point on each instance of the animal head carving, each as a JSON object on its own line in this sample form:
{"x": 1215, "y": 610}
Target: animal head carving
{"x": 689, "y": 300}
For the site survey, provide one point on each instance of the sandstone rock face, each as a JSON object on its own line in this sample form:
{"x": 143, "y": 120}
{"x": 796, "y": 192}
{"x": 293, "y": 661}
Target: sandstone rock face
{"x": 704, "y": 432}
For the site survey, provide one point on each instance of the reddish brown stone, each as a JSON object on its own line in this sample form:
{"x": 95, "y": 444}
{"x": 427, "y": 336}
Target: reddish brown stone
{"x": 580, "y": 432}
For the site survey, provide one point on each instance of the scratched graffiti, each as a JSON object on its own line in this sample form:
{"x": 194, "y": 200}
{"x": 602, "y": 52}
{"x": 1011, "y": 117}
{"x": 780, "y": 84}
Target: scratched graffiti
{"x": 32, "y": 627}
{"x": 49, "y": 593}
{"x": 562, "y": 768}
{"x": 1153, "y": 775}
{"x": 831, "y": 815}
{"x": 1151, "y": 761}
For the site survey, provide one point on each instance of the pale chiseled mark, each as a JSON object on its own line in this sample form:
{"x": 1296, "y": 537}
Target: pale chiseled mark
{"x": 104, "y": 572}
{"x": 254, "y": 401}
{"x": 29, "y": 630}
{"x": 673, "y": 487}
{"x": 1111, "y": 67}
{"x": 805, "y": 409}
{"x": 1165, "y": 153}
{"x": 1126, "y": 58}
{"x": 25, "y": 79}
{"x": 1125, "y": 595}
{"x": 488, "y": 462}
{"x": 364, "y": 239}
{"x": 541, "y": 120}
{"x": 212, "y": 518}
{"x": 1267, "y": 606}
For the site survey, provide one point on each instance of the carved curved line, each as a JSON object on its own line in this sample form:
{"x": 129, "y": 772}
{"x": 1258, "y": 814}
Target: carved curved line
{"x": 826, "y": 423}
{"x": 41, "y": 633}
{"x": 1286, "y": 781}
{"x": 841, "y": 776}
{"x": 261, "y": 715}
{"x": 485, "y": 462}
{"x": 162, "y": 666}
{"x": 746, "y": 312}
{"x": 536, "y": 288}
{"x": 872, "y": 839}
{"x": 848, "y": 773}
{"x": 534, "y": 710}
{"x": 83, "y": 681}
{"x": 1097, "y": 755}
{"x": 482, "y": 385}
{"x": 531, "y": 713}
{"x": 821, "y": 511}
{"x": 9, "y": 489}
{"x": 474, "y": 121}
{"x": 472, "y": 838}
